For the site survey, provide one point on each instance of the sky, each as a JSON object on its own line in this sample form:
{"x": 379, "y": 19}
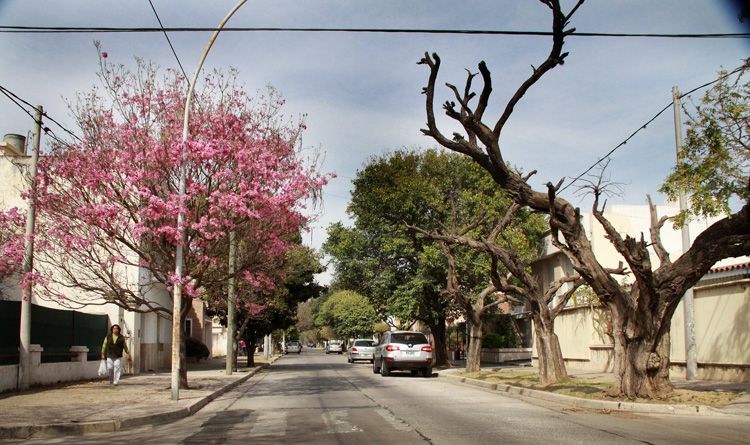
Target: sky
{"x": 361, "y": 93}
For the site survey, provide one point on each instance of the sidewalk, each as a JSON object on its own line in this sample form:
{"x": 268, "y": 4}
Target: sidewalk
{"x": 97, "y": 406}
{"x": 739, "y": 406}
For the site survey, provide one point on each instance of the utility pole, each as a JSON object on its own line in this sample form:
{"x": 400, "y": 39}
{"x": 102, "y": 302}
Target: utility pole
{"x": 231, "y": 300}
{"x": 691, "y": 355}
{"x": 24, "y": 356}
{"x": 179, "y": 260}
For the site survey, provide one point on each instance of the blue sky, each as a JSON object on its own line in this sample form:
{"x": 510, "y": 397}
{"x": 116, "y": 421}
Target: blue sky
{"x": 361, "y": 92}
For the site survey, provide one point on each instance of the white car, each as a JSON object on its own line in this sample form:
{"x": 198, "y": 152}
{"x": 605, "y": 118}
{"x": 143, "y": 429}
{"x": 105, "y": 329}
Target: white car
{"x": 403, "y": 351}
{"x": 361, "y": 349}
{"x": 293, "y": 346}
{"x": 335, "y": 347}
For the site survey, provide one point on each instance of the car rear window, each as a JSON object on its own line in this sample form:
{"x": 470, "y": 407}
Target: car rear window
{"x": 364, "y": 343}
{"x": 409, "y": 338}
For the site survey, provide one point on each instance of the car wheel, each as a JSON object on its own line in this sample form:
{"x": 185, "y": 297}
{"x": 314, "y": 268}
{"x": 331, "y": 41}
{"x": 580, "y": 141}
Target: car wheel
{"x": 427, "y": 373}
{"x": 372, "y": 361}
{"x": 375, "y": 369}
{"x": 384, "y": 371}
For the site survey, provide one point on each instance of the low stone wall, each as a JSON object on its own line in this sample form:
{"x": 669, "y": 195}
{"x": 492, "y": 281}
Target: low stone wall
{"x": 8, "y": 377}
{"x": 50, "y": 373}
{"x": 502, "y": 355}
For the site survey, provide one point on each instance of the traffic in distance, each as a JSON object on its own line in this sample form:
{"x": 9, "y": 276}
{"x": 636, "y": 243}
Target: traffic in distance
{"x": 396, "y": 351}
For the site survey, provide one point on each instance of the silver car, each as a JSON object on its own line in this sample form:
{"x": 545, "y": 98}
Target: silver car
{"x": 403, "y": 351}
{"x": 335, "y": 347}
{"x": 361, "y": 349}
{"x": 293, "y": 346}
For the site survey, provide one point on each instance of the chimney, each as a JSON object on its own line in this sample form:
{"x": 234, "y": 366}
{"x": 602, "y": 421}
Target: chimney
{"x": 14, "y": 145}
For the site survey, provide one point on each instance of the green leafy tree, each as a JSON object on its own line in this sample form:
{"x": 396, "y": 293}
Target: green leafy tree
{"x": 349, "y": 314}
{"x": 714, "y": 165}
{"x": 384, "y": 257}
{"x": 383, "y": 260}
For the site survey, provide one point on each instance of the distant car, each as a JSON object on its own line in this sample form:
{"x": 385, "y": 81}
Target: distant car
{"x": 361, "y": 349}
{"x": 293, "y": 346}
{"x": 310, "y": 345}
{"x": 403, "y": 351}
{"x": 335, "y": 346}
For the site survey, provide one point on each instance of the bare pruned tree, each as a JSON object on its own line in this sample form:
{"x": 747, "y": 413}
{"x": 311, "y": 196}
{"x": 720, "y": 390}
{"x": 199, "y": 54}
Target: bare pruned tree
{"x": 641, "y": 312}
{"x": 518, "y": 286}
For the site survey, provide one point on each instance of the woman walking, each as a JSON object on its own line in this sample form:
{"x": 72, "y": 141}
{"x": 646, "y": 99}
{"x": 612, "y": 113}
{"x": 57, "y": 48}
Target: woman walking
{"x": 112, "y": 350}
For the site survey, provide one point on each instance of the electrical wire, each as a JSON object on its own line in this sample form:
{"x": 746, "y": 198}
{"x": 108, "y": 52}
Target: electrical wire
{"x": 643, "y": 127}
{"x": 115, "y": 29}
{"x": 20, "y": 102}
{"x": 168, "y": 40}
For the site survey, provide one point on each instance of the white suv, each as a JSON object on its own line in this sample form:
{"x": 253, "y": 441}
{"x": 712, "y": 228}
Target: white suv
{"x": 403, "y": 351}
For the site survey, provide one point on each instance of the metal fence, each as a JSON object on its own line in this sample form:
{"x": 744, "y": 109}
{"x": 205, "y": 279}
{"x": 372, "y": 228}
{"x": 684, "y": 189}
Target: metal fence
{"x": 54, "y": 329}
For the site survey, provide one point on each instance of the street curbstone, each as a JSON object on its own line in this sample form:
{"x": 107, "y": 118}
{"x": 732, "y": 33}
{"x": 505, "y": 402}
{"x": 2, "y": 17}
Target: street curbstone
{"x": 579, "y": 402}
{"x": 108, "y": 426}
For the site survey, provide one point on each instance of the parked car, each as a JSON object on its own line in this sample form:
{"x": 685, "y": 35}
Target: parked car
{"x": 403, "y": 351}
{"x": 361, "y": 349}
{"x": 293, "y": 346}
{"x": 335, "y": 346}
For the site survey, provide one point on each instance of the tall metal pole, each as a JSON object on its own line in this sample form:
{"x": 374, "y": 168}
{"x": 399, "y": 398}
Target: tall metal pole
{"x": 231, "y": 300}
{"x": 24, "y": 356}
{"x": 691, "y": 355}
{"x": 179, "y": 261}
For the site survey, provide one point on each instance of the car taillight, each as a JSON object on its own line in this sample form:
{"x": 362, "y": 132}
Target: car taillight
{"x": 427, "y": 348}
{"x": 392, "y": 348}
{"x": 354, "y": 349}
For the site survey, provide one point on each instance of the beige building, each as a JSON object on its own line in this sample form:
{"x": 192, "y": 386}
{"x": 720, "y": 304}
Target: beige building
{"x": 721, "y": 303}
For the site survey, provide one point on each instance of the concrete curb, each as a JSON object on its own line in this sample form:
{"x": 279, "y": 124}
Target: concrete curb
{"x": 108, "y": 426}
{"x": 578, "y": 402}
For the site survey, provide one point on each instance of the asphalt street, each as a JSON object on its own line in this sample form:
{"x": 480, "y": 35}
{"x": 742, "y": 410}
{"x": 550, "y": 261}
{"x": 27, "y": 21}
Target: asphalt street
{"x": 313, "y": 398}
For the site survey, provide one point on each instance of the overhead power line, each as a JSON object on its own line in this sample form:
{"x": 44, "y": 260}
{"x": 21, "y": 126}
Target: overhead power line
{"x": 168, "y": 40}
{"x": 25, "y": 105}
{"x": 646, "y": 124}
{"x": 117, "y": 29}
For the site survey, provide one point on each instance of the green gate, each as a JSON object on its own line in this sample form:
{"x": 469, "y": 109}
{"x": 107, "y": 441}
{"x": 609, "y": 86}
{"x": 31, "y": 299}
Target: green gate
{"x": 54, "y": 329}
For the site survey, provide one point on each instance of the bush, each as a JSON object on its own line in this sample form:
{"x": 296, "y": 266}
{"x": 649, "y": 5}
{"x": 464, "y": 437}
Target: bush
{"x": 493, "y": 340}
{"x": 195, "y": 348}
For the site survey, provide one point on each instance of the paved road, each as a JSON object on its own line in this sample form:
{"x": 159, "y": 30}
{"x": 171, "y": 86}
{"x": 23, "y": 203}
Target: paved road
{"x": 312, "y": 398}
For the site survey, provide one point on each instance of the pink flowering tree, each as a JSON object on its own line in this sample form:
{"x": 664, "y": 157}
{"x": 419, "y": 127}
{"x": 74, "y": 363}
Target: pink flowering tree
{"x": 11, "y": 242}
{"x": 110, "y": 202}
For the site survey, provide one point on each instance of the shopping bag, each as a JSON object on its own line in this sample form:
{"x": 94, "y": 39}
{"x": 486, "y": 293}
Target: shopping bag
{"x": 103, "y": 368}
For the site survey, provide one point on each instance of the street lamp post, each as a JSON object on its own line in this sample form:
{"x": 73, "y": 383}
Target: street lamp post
{"x": 179, "y": 260}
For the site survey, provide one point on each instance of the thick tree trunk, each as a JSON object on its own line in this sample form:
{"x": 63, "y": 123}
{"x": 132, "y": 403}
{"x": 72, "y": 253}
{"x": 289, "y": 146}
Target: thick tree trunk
{"x": 440, "y": 351}
{"x": 251, "y": 347}
{"x": 641, "y": 355}
{"x": 551, "y": 363}
{"x": 183, "y": 366}
{"x": 474, "y": 352}
{"x": 186, "y": 304}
